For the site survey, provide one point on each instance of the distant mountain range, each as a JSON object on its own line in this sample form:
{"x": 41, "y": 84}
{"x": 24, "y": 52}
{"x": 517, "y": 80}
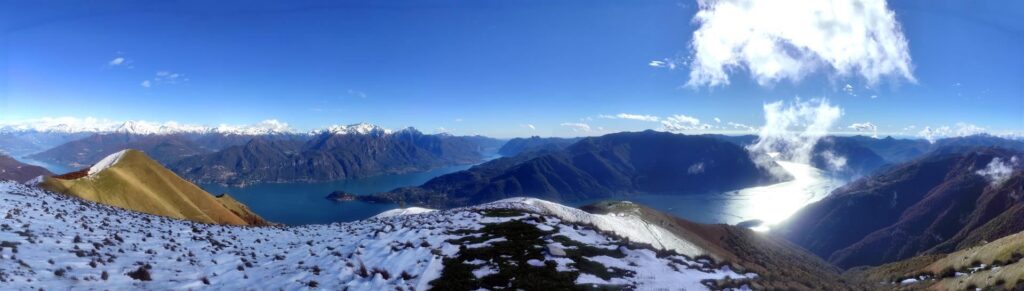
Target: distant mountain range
{"x": 131, "y": 180}
{"x": 597, "y": 167}
{"x": 333, "y": 155}
{"x": 243, "y": 156}
{"x": 11, "y": 169}
{"x": 939, "y": 203}
{"x": 165, "y": 148}
{"x": 855, "y": 156}
{"x": 22, "y": 143}
{"x": 520, "y": 145}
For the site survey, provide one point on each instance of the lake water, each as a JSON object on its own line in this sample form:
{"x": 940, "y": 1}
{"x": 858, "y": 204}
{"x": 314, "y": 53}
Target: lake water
{"x": 771, "y": 204}
{"x": 53, "y": 168}
{"x": 305, "y": 203}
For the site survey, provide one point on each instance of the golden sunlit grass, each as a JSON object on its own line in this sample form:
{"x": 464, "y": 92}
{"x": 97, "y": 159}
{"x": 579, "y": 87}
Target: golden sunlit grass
{"x": 139, "y": 183}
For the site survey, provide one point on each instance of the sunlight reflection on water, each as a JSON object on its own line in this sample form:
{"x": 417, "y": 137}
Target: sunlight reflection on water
{"x": 774, "y": 203}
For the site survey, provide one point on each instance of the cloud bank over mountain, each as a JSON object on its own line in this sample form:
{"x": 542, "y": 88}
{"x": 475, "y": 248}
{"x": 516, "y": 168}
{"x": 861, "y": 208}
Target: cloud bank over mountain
{"x": 791, "y": 130}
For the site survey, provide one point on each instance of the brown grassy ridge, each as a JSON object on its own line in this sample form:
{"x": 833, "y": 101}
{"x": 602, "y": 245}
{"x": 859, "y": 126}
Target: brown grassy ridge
{"x": 139, "y": 183}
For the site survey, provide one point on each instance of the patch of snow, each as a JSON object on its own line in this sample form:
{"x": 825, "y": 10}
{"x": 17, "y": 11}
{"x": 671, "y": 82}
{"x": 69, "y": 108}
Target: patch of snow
{"x": 403, "y": 211}
{"x": 106, "y": 162}
{"x": 630, "y": 226}
{"x": 484, "y": 271}
{"x": 35, "y": 181}
{"x": 555, "y": 249}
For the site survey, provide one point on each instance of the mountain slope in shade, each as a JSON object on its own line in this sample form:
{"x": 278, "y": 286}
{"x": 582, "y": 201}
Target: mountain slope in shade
{"x": 845, "y": 156}
{"x": 780, "y": 265}
{"x": 894, "y": 150}
{"x": 606, "y": 166}
{"x": 131, "y": 180}
{"x": 333, "y": 156}
{"x": 86, "y": 151}
{"x": 935, "y": 204}
{"x": 165, "y": 148}
{"x": 518, "y": 145}
{"x": 11, "y": 169}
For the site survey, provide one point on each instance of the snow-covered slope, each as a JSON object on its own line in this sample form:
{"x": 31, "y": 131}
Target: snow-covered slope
{"x": 106, "y": 162}
{"x": 53, "y": 241}
{"x": 403, "y": 211}
{"x": 629, "y": 225}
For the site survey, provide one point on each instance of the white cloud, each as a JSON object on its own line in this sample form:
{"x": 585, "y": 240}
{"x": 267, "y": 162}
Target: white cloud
{"x": 59, "y": 124}
{"x": 792, "y": 130}
{"x": 666, "y": 63}
{"x": 577, "y": 127}
{"x": 775, "y": 42}
{"x": 833, "y": 161}
{"x": 354, "y": 93}
{"x": 961, "y": 129}
{"x": 742, "y": 126}
{"x": 117, "y": 61}
{"x": 640, "y": 117}
{"x": 530, "y": 126}
{"x": 849, "y": 90}
{"x": 165, "y": 78}
{"x": 997, "y": 171}
{"x": 718, "y": 120}
{"x": 680, "y": 122}
{"x": 865, "y": 127}
{"x": 90, "y": 124}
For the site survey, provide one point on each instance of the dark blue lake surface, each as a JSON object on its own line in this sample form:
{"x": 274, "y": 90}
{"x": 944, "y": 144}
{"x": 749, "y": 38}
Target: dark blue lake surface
{"x": 305, "y": 203}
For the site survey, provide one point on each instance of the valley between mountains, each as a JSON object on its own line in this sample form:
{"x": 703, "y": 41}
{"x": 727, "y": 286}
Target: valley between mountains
{"x": 549, "y": 214}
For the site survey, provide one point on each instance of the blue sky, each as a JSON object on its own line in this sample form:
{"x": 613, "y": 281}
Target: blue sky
{"x": 487, "y": 67}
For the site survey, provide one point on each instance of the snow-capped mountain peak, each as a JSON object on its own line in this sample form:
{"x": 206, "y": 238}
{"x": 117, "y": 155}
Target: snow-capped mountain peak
{"x": 141, "y": 127}
{"x": 358, "y": 128}
{"x": 59, "y": 125}
{"x": 270, "y": 126}
{"x": 170, "y": 127}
